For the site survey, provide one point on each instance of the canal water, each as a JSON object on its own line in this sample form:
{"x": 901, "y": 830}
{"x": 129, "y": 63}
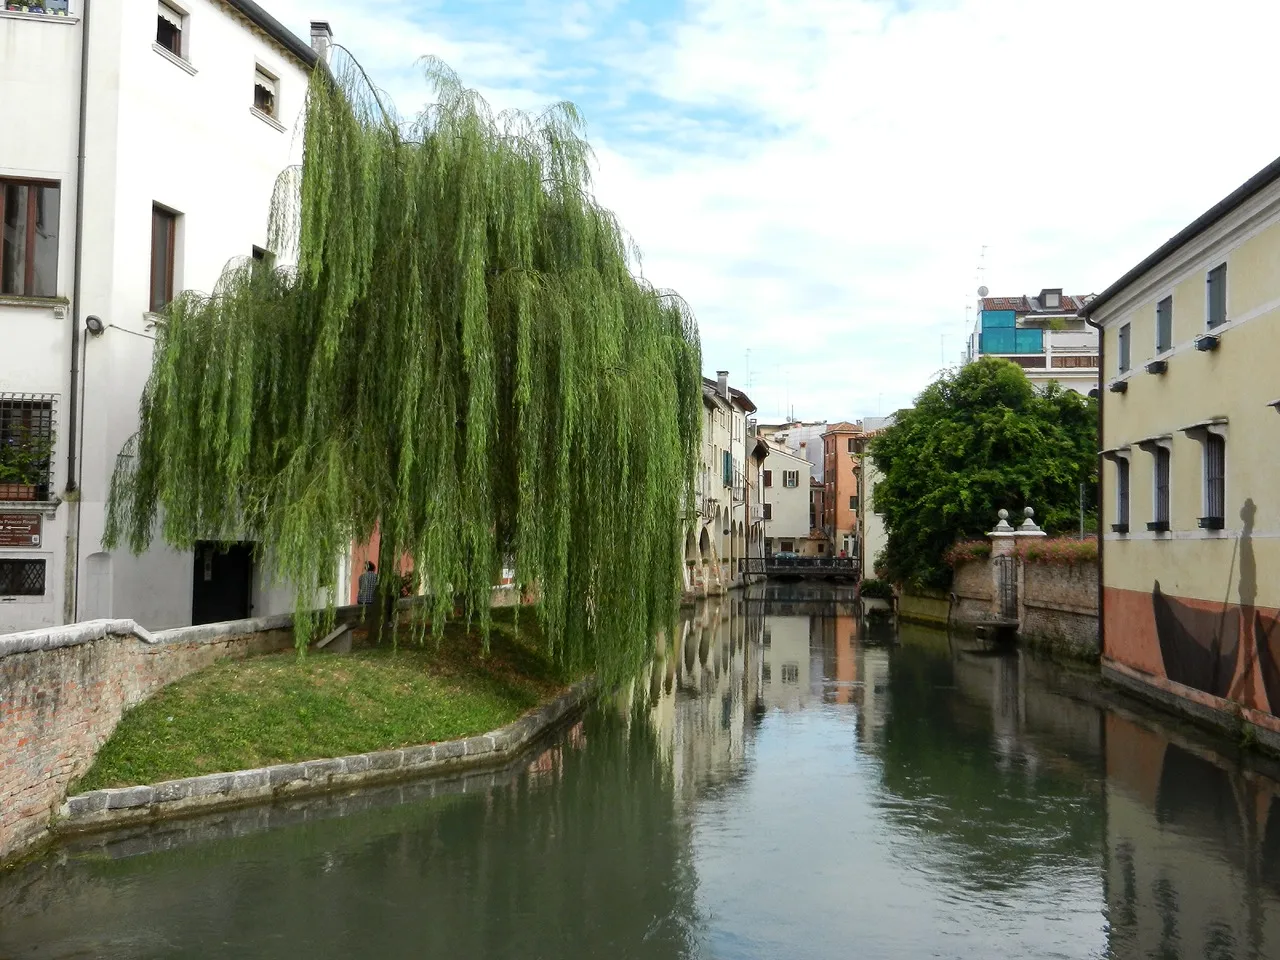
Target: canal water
{"x": 784, "y": 782}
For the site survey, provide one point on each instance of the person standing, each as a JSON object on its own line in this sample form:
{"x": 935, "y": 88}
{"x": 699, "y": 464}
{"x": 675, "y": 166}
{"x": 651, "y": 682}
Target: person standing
{"x": 368, "y": 584}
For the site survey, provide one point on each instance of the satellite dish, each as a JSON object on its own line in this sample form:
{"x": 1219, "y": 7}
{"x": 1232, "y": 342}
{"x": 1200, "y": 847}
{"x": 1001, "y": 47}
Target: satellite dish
{"x": 982, "y": 291}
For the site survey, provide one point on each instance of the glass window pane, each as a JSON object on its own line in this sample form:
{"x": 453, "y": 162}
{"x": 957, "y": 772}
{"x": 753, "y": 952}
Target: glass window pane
{"x": 45, "y": 245}
{"x": 161, "y": 263}
{"x": 13, "y": 241}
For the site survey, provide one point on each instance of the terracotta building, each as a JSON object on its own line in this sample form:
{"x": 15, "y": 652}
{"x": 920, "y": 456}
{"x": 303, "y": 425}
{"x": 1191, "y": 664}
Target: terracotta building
{"x": 840, "y": 483}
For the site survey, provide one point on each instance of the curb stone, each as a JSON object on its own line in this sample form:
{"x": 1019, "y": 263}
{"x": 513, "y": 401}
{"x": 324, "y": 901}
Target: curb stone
{"x": 109, "y": 808}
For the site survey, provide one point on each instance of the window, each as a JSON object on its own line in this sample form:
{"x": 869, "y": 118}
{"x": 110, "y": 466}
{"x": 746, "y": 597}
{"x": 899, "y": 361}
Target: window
{"x": 766, "y": 673}
{"x": 727, "y": 468}
{"x": 787, "y": 546}
{"x": 1164, "y": 324}
{"x": 264, "y": 92}
{"x": 1122, "y": 495}
{"x": 26, "y": 435}
{"x": 22, "y": 578}
{"x": 169, "y": 22}
{"x": 1215, "y": 482}
{"x": 853, "y": 445}
{"x": 164, "y": 235}
{"x": 790, "y": 672}
{"x": 1217, "y": 294}
{"x": 1161, "y": 519}
{"x": 768, "y": 478}
{"x": 768, "y": 548}
{"x": 853, "y": 502}
{"x": 29, "y": 238}
{"x": 1124, "y": 348}
{"x": 791, "y": 478}
{"x": 768, "y": 511}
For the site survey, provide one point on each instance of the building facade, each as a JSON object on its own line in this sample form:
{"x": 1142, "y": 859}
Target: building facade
{"x": 727, "y": 525}
{"x": 1190, "y": 487}
{"x": 142, "y": 144}
{"x": 873, "y": 536}
{"x": 787, "y": 502}
{"x": 840, "y": 447}
{"x": 1042, "y": 334}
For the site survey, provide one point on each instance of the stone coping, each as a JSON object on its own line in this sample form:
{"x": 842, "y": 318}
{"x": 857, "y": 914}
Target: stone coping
{"x": 88, "y": 631}
{"x": 106, "y": 809}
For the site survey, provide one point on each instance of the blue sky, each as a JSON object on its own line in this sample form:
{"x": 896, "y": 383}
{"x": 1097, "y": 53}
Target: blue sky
{"x": 819, "y": 178}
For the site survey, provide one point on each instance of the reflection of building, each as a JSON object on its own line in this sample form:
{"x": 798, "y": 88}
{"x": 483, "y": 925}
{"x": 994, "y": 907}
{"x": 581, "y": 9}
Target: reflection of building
{"x": 1191, "y": 556}
{"x": 787, "y": 673}
{"x": 1192, "y": 850}
{"x": 1041, "y": 334}
{"x": 696, "y": 695}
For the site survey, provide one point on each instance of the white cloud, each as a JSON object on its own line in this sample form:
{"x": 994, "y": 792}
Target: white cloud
{"x": 829, "y": 220}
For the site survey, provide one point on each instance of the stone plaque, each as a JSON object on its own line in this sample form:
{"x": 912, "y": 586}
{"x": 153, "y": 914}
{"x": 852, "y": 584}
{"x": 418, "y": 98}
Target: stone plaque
{"x": 20, "y": 529}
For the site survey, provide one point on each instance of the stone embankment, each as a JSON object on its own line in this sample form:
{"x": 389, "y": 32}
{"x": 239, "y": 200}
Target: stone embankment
{"x": 63, "y": 690}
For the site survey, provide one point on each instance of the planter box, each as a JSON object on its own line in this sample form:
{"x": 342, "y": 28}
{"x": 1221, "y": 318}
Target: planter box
{"x": 17, "y": 491}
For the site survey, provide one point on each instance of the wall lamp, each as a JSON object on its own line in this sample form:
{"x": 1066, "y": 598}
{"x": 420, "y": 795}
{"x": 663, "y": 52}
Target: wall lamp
{"x": 94, "y": 325}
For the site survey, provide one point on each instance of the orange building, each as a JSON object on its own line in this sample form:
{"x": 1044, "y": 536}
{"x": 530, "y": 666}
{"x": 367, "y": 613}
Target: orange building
{"x": 840, "y": 483}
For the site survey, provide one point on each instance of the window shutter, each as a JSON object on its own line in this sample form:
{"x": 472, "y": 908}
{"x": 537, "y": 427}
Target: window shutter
{"x": 167, "y": 12}
{"x": 768, "y": 478}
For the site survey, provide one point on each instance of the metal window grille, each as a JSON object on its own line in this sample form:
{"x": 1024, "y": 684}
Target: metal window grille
{"x": 1122, "y": 492}
{"x": 21, "y": 578}
{"x": 1162, "y": 485}
{"x": 1124, "y": 348}
{"x": 1215, "y": 477}
{"x": 27, "y": 422}
{"x": 1217, "y": 284}
{"x": 1164, "y": 324}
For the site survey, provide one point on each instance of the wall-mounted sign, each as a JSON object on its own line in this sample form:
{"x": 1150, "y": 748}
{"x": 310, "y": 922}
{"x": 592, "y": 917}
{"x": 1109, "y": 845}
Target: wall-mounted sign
{"x": 20, "y": 529}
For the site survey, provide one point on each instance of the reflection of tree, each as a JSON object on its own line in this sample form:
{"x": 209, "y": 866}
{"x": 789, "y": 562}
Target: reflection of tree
{"x": 1003, "y": 822}
{"x": 590, "y": 862}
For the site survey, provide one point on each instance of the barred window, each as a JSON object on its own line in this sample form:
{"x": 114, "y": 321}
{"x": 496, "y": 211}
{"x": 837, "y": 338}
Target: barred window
{"x": 1161, "y": 518}
{"x": 1122, "y": 494}
{"x": 1215, "y": 481}
{"x": 26, "y": 445}
{"x": 21, "y": 578}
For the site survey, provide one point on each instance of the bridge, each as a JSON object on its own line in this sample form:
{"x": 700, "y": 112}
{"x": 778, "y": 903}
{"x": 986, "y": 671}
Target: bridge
{"x": 804, "y": 568}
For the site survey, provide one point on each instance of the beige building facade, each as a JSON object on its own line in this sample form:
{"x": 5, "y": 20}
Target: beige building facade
{"x": 1190, "y": 483}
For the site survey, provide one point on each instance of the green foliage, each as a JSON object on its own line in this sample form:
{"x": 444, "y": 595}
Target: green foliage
{"x": 978, "y": 440}
{"x": 24, "y": 457}
{"x": 872, "y": 589}
{"x": 462, "y": 359}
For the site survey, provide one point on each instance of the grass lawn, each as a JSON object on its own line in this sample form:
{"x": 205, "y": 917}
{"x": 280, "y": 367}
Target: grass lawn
{"x": 241, "y": 714}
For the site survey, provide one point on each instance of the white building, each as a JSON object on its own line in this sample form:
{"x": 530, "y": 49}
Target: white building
{"x": 1040, "y": 333}
{"x": 804, "y": 436}
{"x": 787, "y": 500}
{"x": 141, "y": 145}
{"x": 873, "y": 536}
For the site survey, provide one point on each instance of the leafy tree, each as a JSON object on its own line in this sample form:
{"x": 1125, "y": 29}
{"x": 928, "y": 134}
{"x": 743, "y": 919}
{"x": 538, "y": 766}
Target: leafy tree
{"x": 462, "y": 360}
{"x": 977, "y": 440}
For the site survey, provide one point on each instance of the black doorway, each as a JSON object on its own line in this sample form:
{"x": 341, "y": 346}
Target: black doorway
{"x": 222, "y": 588}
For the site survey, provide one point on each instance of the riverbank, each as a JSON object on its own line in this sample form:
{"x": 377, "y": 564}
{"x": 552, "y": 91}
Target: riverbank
{"x": 278, "y": 708}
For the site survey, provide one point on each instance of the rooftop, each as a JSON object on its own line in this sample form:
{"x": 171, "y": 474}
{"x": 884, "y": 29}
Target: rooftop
{"x": 1067, "y": 305}
{"x": 276, "y": 30}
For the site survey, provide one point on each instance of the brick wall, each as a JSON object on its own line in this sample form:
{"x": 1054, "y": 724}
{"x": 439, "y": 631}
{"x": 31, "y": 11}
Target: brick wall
{"x": 972, "y": 587}
{"x": 63, "y": 690}
{"x": 1058, "y": 606}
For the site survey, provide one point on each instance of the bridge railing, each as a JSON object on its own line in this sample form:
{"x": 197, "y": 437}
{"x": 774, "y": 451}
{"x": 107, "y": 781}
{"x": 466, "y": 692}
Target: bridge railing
{"x": 801, "y": 565}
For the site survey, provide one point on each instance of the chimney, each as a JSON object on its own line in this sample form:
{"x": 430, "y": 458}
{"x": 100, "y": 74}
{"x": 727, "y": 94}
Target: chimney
{"x": 722, "y": 383}
{"x": 321, "y": 38}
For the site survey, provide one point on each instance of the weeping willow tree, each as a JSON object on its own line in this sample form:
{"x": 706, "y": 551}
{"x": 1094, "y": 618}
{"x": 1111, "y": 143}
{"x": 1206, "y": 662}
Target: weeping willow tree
{"x": 462, "y": 360}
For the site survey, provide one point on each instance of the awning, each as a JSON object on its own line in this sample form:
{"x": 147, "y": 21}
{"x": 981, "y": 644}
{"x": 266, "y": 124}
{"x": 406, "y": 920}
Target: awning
{"x": 167, "y": 12}
{"x": 1117, "y": 453}
{"x": 1203, "y": 426}
{"x": 1275, "y": 405}
{"x": 1150, "y": 443}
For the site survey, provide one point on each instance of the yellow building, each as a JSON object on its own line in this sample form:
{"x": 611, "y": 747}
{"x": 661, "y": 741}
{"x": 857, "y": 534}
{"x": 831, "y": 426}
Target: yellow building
{"x": 1190, "y": 490}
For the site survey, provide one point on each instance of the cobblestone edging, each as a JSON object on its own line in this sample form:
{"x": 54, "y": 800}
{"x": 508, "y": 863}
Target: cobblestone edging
{"x": 104, "y": 809}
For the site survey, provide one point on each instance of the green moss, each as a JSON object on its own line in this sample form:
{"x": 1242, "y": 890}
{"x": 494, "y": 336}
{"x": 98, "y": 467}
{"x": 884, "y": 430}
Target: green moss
{"x": 281, "y": 708}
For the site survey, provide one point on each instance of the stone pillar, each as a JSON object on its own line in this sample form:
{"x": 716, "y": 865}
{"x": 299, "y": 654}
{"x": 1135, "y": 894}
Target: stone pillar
{"x": 1002, "y": 543}
{"x": 1027, "y": 528}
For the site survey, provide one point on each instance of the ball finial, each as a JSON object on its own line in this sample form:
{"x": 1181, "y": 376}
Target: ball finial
{"x": 1002, "y": 514}
{"x": 1028, "y": 513}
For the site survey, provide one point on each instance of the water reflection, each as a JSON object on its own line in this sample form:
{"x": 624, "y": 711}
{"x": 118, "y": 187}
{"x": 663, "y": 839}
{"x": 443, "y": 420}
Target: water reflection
{"x": 784, "y": 779}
